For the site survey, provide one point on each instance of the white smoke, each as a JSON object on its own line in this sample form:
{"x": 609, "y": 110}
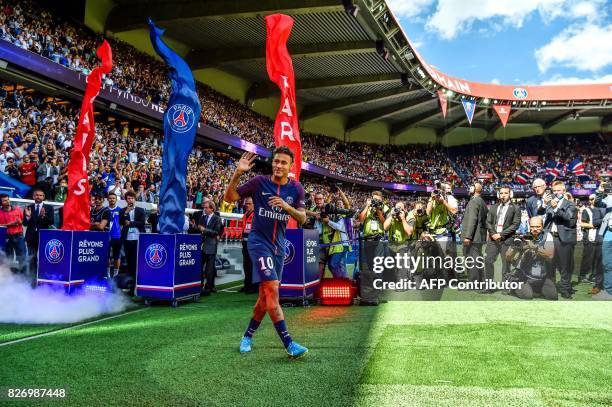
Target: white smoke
{"x": 22, "y": 304}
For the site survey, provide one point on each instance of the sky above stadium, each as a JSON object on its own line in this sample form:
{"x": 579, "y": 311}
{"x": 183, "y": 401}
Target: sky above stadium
{"x": 512, "y": 42}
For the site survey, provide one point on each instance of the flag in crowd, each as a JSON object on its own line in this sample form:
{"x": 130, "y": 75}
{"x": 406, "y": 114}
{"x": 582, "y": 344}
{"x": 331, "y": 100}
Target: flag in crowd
{"x": 523, "y": 177}
{"x": 576, "y": 167}
{"x": 553, "y": 170}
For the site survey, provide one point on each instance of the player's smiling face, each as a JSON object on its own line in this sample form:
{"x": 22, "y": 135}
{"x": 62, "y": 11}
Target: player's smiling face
{"x": 281, "y": 164}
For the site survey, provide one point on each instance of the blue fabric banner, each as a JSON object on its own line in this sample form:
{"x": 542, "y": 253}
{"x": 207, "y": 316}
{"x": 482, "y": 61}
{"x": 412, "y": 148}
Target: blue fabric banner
{"x": 180, "y": 125}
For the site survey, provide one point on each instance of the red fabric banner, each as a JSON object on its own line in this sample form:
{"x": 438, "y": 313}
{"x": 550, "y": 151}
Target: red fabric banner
{"x": 503, "y": 111}
{"x": 443, "y": 102}
{"x": 280, "y": 71}
{"x": 76, "y": 207}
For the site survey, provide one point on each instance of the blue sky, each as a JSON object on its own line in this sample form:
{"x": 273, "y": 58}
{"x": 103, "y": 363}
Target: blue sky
{"x": 512, "y": 41}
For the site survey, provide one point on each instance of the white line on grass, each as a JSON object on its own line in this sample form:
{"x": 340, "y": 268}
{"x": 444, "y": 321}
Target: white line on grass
{"x": 28, "y": 338}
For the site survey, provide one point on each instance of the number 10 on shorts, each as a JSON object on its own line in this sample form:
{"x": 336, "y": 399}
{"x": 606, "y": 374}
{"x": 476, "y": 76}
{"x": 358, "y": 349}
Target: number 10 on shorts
{"x": 266, "y": 263}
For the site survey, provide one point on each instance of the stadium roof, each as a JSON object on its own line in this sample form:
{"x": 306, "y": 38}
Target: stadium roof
{"x": 352, "y": 57}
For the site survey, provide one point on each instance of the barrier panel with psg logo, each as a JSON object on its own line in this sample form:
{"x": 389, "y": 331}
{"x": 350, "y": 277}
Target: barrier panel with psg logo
{"x": 169, "y": 267}
{"x": 301, "y": 271}
{"x": 72, "y": 259}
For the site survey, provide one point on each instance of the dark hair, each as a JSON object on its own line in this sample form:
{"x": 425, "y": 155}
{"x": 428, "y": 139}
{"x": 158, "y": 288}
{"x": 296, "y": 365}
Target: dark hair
{"x": 130, "y": 194}
{"x": 283, "y": 150}
{"x": 111, "y": 193}
{"x": 38, "y": 190}
{"x": 2, "y": 196}
{"x": 97, "y": 195}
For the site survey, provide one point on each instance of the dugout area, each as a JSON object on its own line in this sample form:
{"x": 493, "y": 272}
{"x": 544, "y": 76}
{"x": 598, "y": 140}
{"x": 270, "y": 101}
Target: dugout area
{"x": 445, "y": 353}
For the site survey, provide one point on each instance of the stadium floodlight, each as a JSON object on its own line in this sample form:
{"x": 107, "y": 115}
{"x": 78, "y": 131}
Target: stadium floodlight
{"x": 486, "y": 101}
{"x": 450, "y": 93}
{"x": 534, "y": 103}
{"x": 544, "y": 103}
{"x": 336, "y": 291}
{"x": 495, "y": 102}
{"x": 514, "y": 103}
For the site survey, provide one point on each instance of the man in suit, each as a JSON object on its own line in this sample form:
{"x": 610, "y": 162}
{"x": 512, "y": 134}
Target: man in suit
{"x": 537, "y": 204}
{"x": 132, "y": 220}
{"x": 561, "y": 216}
{"x": 37, "y": 216}
{"x": 474, "y": 231}
{"x": 503, "y": 220}
{"x": 210, "y": 227}
{"x": 590, "y": 221}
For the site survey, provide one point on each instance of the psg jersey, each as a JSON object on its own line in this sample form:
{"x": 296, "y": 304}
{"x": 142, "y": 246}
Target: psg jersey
{"x": 269, "y": 223}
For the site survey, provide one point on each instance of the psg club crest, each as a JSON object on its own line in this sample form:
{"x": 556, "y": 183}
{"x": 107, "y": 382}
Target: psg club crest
{"x": 54, "y": 251}
{"x": 181, "y": 118}
{"x": 520, "y": 93}
{"x": 289, "y": 252}
{"x": 155, "y": 255}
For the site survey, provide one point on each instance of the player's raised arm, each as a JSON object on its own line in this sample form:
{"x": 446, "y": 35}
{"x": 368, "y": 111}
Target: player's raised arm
{"x": 245, "y": 165}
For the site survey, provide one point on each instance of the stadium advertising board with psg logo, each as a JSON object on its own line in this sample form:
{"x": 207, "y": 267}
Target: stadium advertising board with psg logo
{"x": 72, "y": 258}
{"x": 169, "y": 266}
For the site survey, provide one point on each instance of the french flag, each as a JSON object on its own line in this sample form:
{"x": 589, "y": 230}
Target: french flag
{"x": 523, "y": 177}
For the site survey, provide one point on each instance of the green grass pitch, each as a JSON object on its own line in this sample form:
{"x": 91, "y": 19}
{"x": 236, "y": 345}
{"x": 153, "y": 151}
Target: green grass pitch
{"x": 450, "y": 353}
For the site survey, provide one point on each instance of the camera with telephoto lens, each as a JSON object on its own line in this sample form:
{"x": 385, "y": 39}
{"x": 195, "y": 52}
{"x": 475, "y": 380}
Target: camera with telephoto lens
{"x": 331, "y": 209}
{"x": 397, "y": 212}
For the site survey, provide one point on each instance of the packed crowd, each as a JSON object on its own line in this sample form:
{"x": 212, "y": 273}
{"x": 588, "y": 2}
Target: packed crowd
{"x": 502, "y": 162}
{"x": 30, "y": 27}
{"x": 40, "y": 132}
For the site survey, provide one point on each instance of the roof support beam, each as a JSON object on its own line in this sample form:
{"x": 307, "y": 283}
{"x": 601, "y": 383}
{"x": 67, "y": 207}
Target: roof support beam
{"x": 320, "y": 108}
{"x": 259, "y": 90}
{"x": 496, "y": 126}
{"x": 360, "y": 120}
{"x": 400, "y": 127}
{"x": 128, "y": 17}
{"x": 204, "y": 58}
{"x": 459, "y": 123}
{"x": 551, "y": 123}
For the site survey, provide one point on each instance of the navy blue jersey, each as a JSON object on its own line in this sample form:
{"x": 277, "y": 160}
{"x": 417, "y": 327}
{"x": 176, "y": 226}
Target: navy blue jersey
{"x": 269, "y": 223}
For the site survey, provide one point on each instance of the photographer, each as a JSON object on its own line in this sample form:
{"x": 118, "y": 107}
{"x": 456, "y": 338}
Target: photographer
{"x": 372, "y": 219}
{"x": 603, "y": 199}
{"x": 441, "y": 209}
{"x": 532, "y": 256}
{"x": 336, "y": 223}
{"x": 418, "y": 219}
{"x": 400, "y": 230}
{"x": 313, "y": 221}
